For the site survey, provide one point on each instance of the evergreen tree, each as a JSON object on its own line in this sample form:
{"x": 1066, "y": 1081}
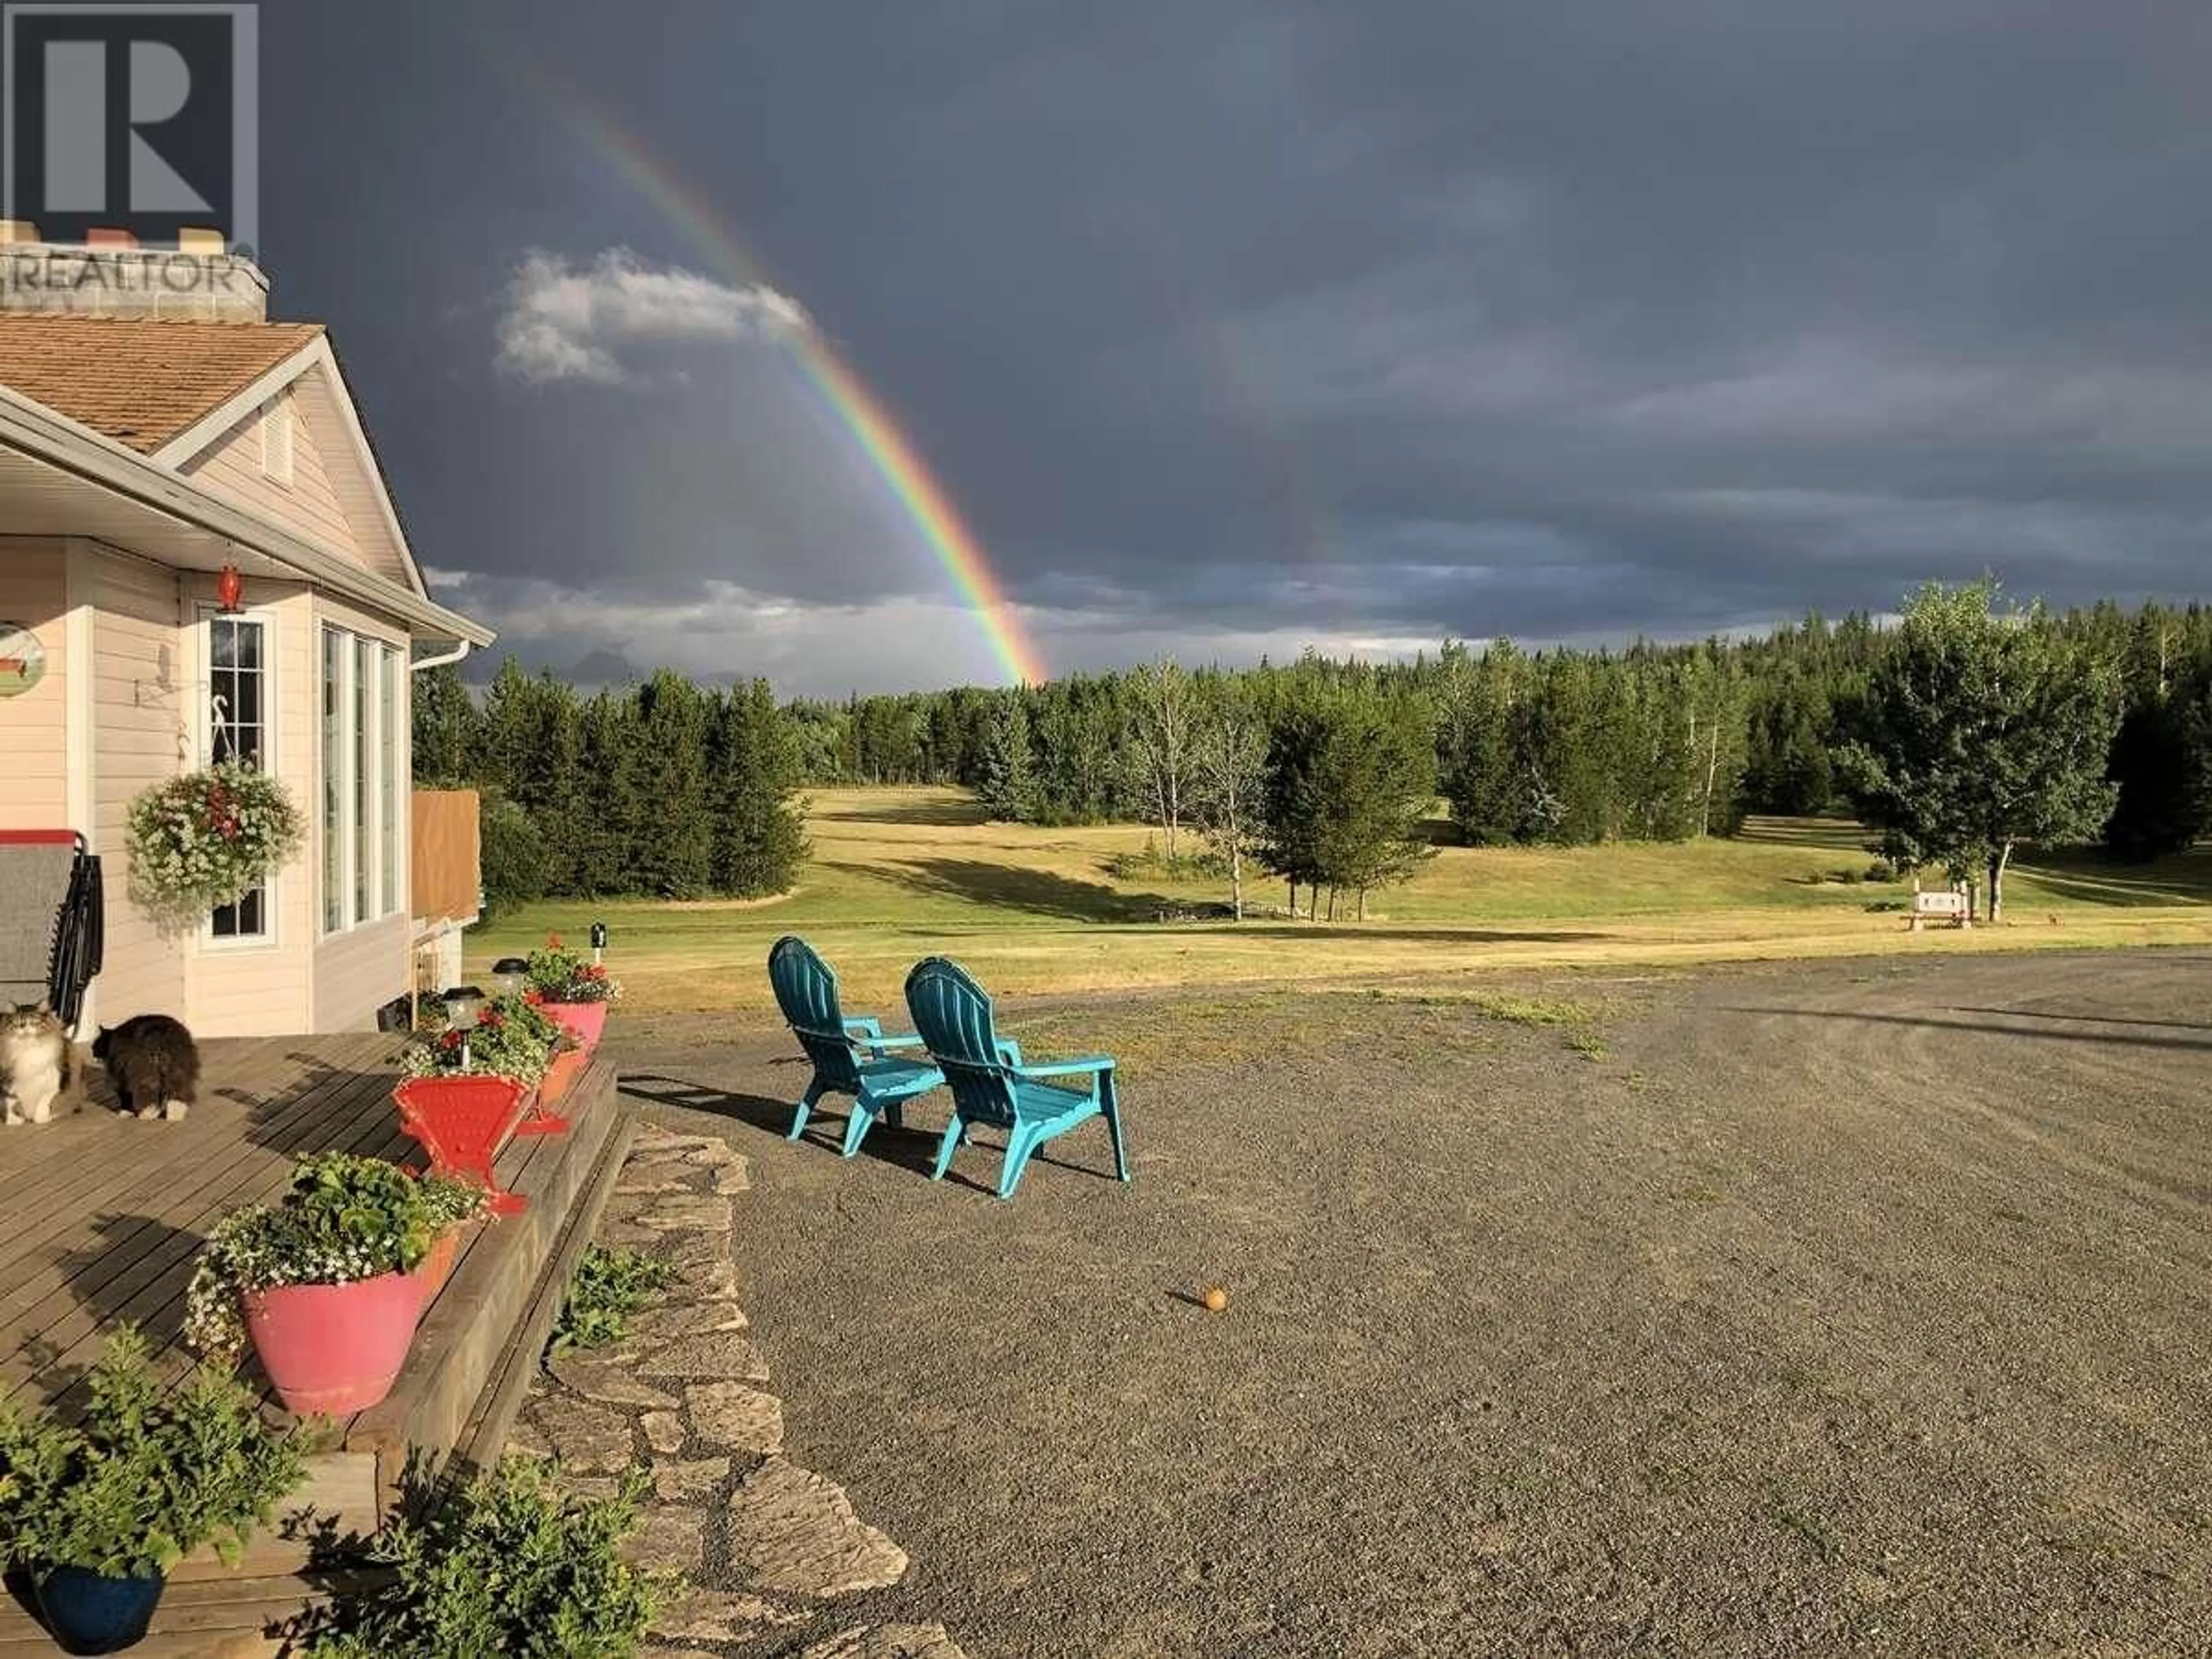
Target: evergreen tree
{"x": 444, "y": 729}
{"x": 2161, "y": 767}
{"x": 1007, "y": 775}
{"x": 759, "y": 833}
{"x": 663, "y": 785}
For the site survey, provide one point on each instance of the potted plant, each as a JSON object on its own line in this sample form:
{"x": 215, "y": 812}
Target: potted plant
{"x": 98, "y": 1511}
{"x": 208, "y": 837}
{"x": 572, "y": 990}
{"x": 453, "y": 1205}
{"x": 321, "y": 1283}
{"x": 512, "y": 1038}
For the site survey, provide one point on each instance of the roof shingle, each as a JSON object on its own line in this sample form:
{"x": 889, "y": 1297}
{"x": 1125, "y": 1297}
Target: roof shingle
{"x": 139, "y": 381}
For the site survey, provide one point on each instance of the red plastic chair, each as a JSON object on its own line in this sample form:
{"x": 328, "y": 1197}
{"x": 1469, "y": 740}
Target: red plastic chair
{"x": 462, "y": 1123}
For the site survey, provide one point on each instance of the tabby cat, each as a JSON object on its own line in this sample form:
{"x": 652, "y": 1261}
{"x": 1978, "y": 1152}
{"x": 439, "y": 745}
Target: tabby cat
{"x": 154, "y": 1064}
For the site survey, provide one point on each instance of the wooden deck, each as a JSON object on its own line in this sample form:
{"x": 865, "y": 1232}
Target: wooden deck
{"x": 101, "y": 1218}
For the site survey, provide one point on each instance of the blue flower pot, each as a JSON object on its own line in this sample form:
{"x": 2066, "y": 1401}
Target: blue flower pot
{"x": 89, "y": 1614}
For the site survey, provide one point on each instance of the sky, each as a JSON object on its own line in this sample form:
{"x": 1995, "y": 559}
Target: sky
{"x": 1231, "y": 327}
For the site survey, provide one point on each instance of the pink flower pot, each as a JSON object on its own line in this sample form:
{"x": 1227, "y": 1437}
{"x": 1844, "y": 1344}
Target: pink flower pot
{"x": 332, "y": 1349}
{"x": 586, "y": 1021}
{"x": 431, "y": 1273}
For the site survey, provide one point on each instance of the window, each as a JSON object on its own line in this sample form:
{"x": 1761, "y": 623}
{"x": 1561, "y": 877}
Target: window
{"x": 363, "y": 768}
{"x": 276, "y": 441}
{"x": 392, "y": 718}
{"x": 333, "y": 780}
{"x": 236, "y": 651}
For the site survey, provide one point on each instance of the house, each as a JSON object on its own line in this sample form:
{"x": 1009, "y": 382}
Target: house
{"x": 153, "y": 433}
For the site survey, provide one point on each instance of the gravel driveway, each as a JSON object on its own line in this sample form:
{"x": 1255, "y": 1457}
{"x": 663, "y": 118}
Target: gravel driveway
{"x": 1848, "y": 1307}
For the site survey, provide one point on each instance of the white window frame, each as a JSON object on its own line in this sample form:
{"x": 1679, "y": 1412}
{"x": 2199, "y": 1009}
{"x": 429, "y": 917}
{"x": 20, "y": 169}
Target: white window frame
{"x": 204, "y": 746}
{"x": 360, "y": 869}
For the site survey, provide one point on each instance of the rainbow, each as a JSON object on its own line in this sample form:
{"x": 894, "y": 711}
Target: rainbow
{"x": 888, "y": 449}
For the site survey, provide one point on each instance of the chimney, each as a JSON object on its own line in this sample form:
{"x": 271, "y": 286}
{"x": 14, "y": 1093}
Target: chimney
{"x": 109, "y": 274}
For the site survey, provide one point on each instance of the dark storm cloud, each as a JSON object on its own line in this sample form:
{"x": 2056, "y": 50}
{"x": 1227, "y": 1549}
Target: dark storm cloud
{"x": 1256, "y": 323}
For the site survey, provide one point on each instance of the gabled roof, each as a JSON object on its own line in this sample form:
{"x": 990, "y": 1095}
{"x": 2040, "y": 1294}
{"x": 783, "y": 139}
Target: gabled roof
{"x": 141, "y": 381}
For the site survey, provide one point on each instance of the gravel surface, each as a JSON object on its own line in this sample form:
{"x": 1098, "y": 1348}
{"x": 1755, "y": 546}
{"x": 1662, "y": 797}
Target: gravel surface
{"x": 1847, "y": 1307}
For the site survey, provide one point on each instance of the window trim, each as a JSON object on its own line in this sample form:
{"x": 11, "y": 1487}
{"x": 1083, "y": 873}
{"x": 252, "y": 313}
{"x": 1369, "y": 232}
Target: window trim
{"x": 203, "y": 612}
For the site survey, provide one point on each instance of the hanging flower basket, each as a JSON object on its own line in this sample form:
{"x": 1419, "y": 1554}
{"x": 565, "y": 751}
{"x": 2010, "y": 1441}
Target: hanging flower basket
{"x": 209, "y": 838}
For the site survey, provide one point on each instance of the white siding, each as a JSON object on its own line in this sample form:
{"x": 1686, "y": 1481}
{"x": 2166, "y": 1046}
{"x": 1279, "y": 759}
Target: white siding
{"x": 333, "y": 495}
{"x": 34, "y": 727}
{"x": 232, "y": 463}
{"x": 140, "y": 735}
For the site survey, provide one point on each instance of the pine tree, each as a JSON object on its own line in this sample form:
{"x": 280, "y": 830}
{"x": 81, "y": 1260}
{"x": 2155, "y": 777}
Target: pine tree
{"x": 671, "y": 846}
{"x": 1006, "y": 775}
{"x": 759, "y": 835}
{"x": 444, "y": 729}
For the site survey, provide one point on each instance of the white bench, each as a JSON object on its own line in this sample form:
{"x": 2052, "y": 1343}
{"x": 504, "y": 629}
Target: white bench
{"x": 1944, "y": 905}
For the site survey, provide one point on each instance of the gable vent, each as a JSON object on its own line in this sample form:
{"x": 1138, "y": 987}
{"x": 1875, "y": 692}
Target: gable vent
{"x": 277, "y": 441}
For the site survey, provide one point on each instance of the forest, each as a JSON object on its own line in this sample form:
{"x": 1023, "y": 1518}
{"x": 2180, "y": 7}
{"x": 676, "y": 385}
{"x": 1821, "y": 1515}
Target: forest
{"x": 1956, "y": 730}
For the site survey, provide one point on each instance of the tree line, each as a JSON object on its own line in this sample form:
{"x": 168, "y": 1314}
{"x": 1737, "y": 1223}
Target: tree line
{"x": 665, "y": 788}
{"x": 1959, "y": 731}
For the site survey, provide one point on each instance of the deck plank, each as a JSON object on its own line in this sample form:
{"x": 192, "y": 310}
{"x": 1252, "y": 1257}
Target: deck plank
{"x": 106, "y": 1215}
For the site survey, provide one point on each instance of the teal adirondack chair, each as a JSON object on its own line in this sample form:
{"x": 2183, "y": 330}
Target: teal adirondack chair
{"x": 851, "y": 1056}
{"x": 991, "y": 1083}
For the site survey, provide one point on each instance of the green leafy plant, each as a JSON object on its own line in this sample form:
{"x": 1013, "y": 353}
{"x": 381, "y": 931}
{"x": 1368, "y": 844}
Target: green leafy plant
{"x": 511, "y": 1037}
{"x": 209, "y": 837}
{"x": 609, "y": 1283}
{"x": 144, "y": 1477}
{"x": 512, "y": 1564}
{"x": 560, "y": 974}
{"x": 345, "y": 1218}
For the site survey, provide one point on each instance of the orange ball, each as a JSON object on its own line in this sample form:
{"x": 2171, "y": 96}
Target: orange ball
{"x": 1216, "y": 1299}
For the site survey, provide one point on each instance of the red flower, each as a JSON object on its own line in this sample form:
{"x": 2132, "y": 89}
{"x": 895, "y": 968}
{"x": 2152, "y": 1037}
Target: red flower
{"x": 552, "y": 941}
{"x": 534, "y": 997}
{"x": 595, "y": 971}
{"x": 451, "y": 1040}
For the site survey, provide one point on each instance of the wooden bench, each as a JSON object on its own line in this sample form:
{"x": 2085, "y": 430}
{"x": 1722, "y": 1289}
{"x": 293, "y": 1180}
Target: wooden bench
{"x": 1945, "y": 906}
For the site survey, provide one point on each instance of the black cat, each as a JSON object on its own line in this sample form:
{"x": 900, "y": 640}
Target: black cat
{"x": 154, "y": 1064}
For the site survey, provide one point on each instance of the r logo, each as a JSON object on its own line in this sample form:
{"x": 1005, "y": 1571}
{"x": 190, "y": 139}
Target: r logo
{"x": 133, "y": 118}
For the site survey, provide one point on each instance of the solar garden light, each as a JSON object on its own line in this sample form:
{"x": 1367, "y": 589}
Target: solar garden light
{"x": 599, "y": 943}
{"x": 509, "y": 975}
{"x": 463, "y": 1007}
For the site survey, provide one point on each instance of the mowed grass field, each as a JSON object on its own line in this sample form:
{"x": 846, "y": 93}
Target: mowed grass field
{"x": 901, "y": 874}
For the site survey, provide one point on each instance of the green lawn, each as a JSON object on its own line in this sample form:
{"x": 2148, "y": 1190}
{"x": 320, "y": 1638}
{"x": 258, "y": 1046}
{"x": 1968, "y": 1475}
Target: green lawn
{"x": 898, "y": 873}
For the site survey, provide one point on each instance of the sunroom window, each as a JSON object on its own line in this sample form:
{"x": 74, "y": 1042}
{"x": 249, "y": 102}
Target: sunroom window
{"x": 363, "y": 769}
